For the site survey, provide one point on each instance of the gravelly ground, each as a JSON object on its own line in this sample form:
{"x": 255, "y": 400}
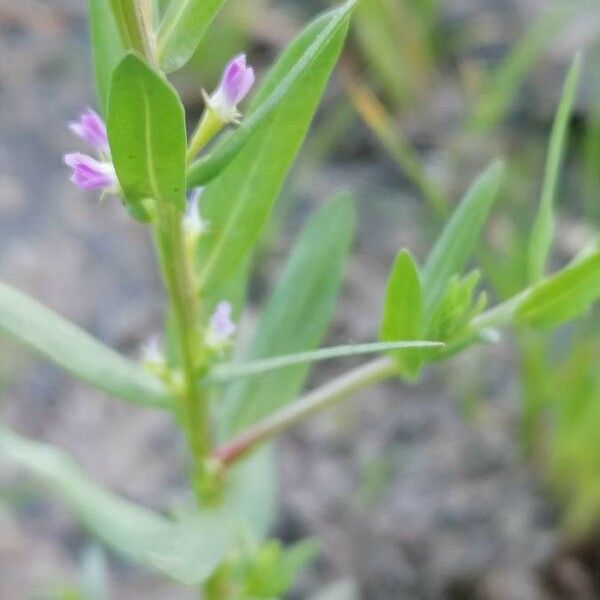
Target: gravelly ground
{"x": 450, "y": 513}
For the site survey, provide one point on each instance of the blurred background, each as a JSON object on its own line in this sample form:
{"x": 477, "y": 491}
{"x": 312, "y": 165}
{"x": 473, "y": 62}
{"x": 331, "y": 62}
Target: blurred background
{"x": 482, "y": 481}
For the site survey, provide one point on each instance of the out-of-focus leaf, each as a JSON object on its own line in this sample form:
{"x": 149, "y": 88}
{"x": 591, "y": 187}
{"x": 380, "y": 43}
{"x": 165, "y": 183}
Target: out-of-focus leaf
{"x": 297, "y": 315}
{"x": 505, "y": 81}
{"x": 286, "y": 101}
{"x": 188, "y": 550}
{"x": 272, "y": 571}
{"x": 563, "y": 296}
{"x": 543, "y": 227}
{"x": 251, "y": 493}
{"x": 107, "y": 49}
{"x": 395, "y": 42}
{"x": 181, "y": 30}
{"x": 386, "y": 129}
{"x": 295, "y": 319}
{"x": 74, "y": 350}
{"x": 146, "y": 129}
{"x": 459, "y": 237}
{"x": 402, "y": 311}
{"x": 591, "y": 142}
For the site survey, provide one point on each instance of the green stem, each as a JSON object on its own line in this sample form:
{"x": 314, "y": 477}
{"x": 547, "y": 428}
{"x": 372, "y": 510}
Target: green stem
{"x": 177, "y": 272}
{"x": 313, "y": 402}
{"x": 134, "y": 23}
{"x": 209, "y": 125}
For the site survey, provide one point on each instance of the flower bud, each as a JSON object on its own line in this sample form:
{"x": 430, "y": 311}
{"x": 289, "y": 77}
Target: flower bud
{"x": 237, "y": 81}
{"x": 92, "y": 130}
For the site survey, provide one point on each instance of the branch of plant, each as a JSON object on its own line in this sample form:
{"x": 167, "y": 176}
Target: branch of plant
{"x": 352, "y": 381}
{"x": 310, "y": 404}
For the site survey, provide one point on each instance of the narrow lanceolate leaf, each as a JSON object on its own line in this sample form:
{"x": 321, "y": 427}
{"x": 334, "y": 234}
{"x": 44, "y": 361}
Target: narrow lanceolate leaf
{"x": 187, "y": 551}
{"x": 563, "y": 296}
{"x": 543, "y": 227}
{"x": 297, "y": 315}
{"x": 299, "y": 74}
{"x": 251, "y": 492}
{"x": 146, "y": 130}
{"x": 238, "y": 203}
{"x": 459, "y": 237}
{"x": 181, "y": 30}
{"x": 107, "y": 49}
{"x": 295, "y": 320}
{"x": 74, "y": 350}
{"x": 403, "y": 311}
{"x": 226, "y": 373}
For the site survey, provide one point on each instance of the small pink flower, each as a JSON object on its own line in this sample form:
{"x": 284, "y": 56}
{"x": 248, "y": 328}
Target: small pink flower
{"x": 221, "y": 325}
{"x": 91, "y": 128}
{"x": 236, "y": 82}
{"x": 89, "y": 173}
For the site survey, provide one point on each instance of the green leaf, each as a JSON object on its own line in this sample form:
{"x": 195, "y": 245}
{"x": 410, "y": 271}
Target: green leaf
{"x": 231, "y": 372}
{"x": 563, "y": 296}
{"x": 238, "y": 203}
{"x": 27, "y": 321}
{"x": 403, "y": 311}
{"x": 107, "y": 49}
{"x": 297, "y": 315}
{"x": 181, "y": 30}
{"x": 146, "y": 129}
{"x": 396, "y": 47}
{"x": 295, "y": 319}
{"x": 188, "y": 550}
{"x": 459, "y": 237}
{"x": 543, "y": 227}
{"x": 289, "y": 95}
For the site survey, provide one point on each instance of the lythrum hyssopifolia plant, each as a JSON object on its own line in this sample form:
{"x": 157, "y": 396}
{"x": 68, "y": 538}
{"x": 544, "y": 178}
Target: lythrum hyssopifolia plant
{"x": 205, "y": 198}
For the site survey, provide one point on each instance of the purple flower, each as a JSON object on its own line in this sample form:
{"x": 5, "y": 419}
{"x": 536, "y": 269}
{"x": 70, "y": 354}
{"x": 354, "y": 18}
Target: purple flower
{"x": 91, "y": 128}
{"x": 221, "y": 325}
{"x": 237, "y": 80}
{"x": 89, "y": 173}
